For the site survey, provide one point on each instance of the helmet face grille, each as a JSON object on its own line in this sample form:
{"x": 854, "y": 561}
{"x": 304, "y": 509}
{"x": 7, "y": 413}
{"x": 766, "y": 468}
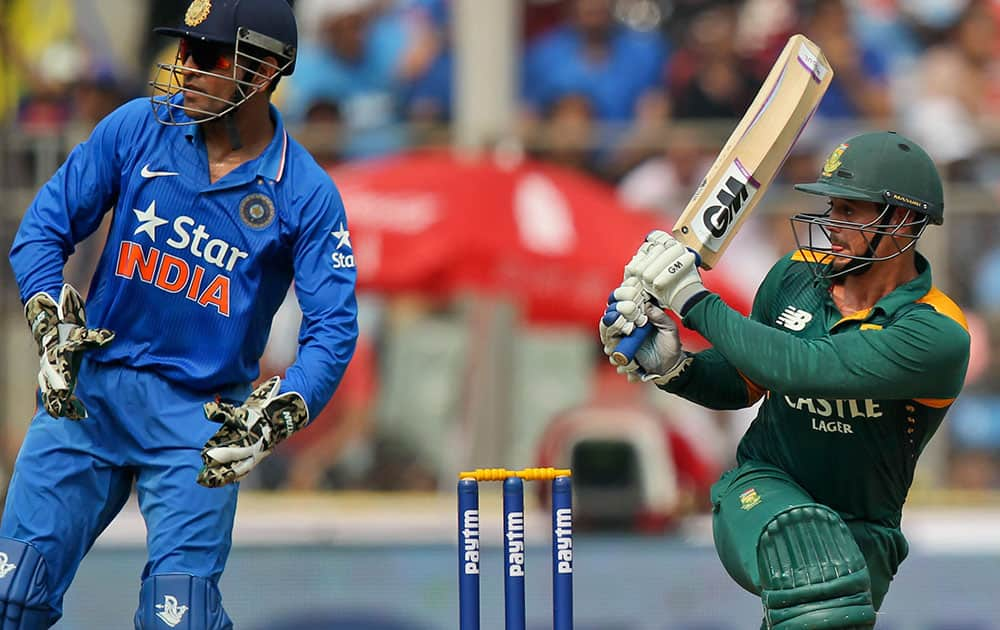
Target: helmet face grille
{"x": 281, "y": 50}
{"x": 245, "y": 74}
{"x": 812, "y": 235}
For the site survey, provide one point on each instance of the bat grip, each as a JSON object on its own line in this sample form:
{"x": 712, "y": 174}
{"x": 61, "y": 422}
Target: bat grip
{"x": 627, "y": 347}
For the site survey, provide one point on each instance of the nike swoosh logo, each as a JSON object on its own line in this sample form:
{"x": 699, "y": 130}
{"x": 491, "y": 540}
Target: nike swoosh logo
{"x": 148, "y": 174}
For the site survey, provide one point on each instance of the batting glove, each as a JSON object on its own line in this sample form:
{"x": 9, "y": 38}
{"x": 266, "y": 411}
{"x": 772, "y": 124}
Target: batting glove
{"x": 668, "y": 271}
{"x": 61, "y": 332}
{"x": 624, "y": 313}
{"x": 661, "y": 358}
{"x": 249, "y": 432}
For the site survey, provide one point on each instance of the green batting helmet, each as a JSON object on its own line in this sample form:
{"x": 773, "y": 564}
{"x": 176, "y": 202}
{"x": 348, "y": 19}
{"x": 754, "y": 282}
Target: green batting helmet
{"x": 883, "y": 167}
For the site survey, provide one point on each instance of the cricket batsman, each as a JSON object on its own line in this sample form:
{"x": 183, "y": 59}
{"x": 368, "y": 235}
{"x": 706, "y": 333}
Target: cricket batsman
{"x": 857, "y": 358}
{"x": 215, "y": 211}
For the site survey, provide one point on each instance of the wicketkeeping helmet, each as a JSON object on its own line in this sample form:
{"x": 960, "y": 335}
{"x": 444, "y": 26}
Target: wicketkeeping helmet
{"x": 882, "y": 167}
{"x": 250, "y": 29}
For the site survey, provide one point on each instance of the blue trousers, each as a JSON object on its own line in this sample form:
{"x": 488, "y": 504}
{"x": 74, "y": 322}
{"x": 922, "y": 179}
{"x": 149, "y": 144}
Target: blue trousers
{"x": 72, "y": 477}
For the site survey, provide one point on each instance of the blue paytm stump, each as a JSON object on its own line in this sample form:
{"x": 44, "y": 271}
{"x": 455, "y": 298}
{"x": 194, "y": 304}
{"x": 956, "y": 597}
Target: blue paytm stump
{"x": 468, "y": 554}
{"x": 562, "y": 553}
{"x": 513, "y": 541}
{"x": 470, "y": 549}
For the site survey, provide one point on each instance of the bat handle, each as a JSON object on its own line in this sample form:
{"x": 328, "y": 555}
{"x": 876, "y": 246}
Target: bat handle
{"x": 627, "y": 347}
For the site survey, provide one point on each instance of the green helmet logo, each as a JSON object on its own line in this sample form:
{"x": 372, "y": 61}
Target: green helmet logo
{"x": 833, "y": 162}
{"x": 883, "y": 167}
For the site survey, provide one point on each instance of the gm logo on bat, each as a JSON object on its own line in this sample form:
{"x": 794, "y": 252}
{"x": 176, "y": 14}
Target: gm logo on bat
{"x": 720, "y": 212}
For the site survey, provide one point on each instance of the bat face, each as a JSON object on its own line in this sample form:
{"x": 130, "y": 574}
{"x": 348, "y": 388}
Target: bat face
{"x": 719, "y": 213}
{"x": 757, "y": 148}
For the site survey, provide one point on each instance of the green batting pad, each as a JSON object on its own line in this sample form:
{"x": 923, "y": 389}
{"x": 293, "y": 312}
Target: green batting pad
{"x": 813, "y": 575}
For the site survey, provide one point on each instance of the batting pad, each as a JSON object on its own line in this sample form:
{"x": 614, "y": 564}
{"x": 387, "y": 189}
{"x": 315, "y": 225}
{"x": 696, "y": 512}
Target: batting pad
{"x": 813, "y": 575}
{"x": 23, "y": 588}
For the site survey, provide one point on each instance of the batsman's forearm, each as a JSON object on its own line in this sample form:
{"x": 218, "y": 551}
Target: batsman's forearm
{"x": 924, "y": 356}
{"x": 712, "y": 382}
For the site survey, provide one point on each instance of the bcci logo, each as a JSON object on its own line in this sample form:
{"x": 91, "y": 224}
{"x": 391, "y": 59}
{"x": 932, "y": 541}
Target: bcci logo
{"x": 257, "y": 211}
{"x": 197, "y": 12}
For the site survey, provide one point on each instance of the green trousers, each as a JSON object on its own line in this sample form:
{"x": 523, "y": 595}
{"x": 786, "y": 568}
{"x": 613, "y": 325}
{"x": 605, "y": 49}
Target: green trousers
{"x": 746, "y": 498}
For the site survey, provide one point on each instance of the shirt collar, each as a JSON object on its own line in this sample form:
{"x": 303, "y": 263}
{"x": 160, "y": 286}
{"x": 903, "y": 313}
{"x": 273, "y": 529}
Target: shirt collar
{"x": 899, "y": 297}
{"x": 271, "y": 163}
{"x": 909, "y": 292}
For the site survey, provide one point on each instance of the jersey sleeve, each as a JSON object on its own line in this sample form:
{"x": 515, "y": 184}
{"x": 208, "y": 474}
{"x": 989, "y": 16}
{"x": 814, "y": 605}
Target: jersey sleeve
{"x": 922, "y": 355}
{"x": 325, "y": 291}
{"x": 711, "y": 380}
{"x": 69, "y": 207}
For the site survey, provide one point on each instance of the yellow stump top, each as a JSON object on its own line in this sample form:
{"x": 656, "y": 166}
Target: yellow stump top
{"x": 528, "y": 474}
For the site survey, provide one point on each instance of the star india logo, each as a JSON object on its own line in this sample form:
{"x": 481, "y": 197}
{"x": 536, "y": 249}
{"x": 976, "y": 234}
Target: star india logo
{"x": 190, "y": 261}
{"x": 340, "y": 259}
{"x": 148, "y": 221}
{"x": 171, "y": 613}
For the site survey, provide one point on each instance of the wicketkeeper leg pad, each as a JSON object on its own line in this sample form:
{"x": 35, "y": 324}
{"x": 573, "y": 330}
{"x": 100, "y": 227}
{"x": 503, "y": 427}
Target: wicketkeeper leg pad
{"x": 813, "y": 574}
{"x": 182, "y": 602}
{"x": 24, "y": 589}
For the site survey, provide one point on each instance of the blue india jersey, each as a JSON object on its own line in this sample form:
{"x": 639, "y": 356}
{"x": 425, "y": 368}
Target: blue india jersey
{"x": 193, "y": 271}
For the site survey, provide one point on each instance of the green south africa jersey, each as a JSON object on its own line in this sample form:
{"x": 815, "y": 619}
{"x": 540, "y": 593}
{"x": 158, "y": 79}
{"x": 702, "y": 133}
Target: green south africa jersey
{"x": 849, "y": 402}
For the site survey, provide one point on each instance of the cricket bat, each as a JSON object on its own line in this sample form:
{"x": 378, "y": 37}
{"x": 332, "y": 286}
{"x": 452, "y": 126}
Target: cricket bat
{"x": 748, "y": 162}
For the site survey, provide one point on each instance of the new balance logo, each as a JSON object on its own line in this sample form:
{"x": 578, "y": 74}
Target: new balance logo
{"x": 148, "y": 174}
{"x": 794, "y": 318}
{"x": 5, "y": 567}
{"x": 171, "y": 613}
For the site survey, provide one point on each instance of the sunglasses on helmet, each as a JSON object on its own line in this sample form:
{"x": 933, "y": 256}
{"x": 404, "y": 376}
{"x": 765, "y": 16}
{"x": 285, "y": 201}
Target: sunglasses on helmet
{"x": 206, "y": 55}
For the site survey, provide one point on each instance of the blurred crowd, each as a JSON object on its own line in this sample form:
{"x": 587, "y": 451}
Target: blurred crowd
{"x": 637, "y": 93}
{"x": 599, "y": 79}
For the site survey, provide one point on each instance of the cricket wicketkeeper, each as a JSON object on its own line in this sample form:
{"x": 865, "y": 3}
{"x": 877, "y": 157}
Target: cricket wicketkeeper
{"x": 216, "y": 210}
{"x": 857, "y": 358}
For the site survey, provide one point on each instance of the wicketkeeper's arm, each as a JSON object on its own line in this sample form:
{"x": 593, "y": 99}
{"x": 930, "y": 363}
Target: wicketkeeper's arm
{"x": 324, "y": 287}
{"x": 69, "y": 207}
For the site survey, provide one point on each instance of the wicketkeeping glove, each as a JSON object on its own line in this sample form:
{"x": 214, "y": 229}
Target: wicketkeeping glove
{"x": 61, "y": 332}
{"x": 249, "y": 432}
